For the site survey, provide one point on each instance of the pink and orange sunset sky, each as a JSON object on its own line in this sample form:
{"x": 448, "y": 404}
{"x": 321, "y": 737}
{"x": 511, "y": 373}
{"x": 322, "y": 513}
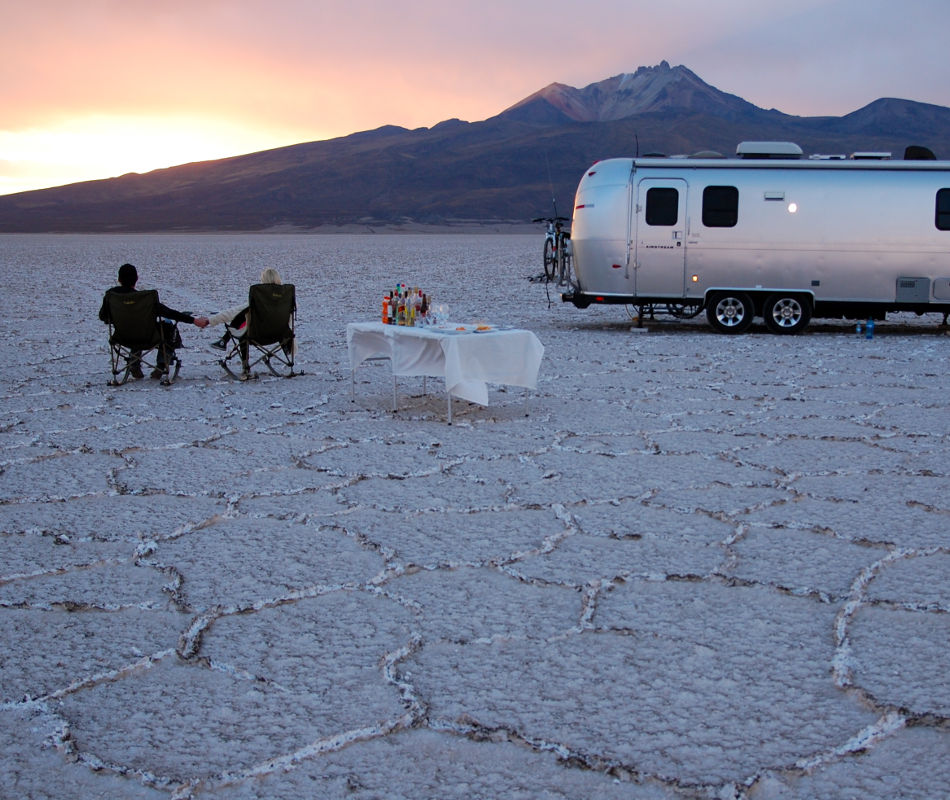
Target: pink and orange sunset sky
{"x": 97, "y": 88}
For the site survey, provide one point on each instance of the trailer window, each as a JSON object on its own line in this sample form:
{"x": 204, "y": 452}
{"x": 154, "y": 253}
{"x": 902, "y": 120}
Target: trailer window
{"x": 943, "y": 209}
{"x": 662, "y": 206}
{"x": 720, "y": 206}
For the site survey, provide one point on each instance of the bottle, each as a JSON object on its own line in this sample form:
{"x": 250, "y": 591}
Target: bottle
{"x": 869, "y": 329}
{"x": 385, "y": 311}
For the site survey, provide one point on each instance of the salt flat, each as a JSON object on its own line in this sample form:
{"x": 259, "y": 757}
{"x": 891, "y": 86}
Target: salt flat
{"x": 702, "y": 567}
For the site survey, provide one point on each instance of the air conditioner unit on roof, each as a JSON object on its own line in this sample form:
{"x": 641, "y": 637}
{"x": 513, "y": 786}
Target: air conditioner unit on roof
{"x": 768, "y": 150}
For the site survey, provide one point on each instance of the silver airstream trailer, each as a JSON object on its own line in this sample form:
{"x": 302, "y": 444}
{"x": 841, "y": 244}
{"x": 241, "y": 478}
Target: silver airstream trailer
{"x": 768, "y": 233}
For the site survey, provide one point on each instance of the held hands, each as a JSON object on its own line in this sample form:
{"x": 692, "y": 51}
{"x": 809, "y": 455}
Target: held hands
{"x": 201, "y": 322}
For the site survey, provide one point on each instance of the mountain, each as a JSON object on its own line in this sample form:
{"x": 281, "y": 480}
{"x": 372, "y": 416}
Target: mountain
{"x": 649, "y": 90}
{"x": 509, "y": 168}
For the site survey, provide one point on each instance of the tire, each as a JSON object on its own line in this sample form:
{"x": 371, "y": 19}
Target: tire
{"x": 730, "y": 312}
{"x": 786, "y": 313}
{"x": 550, "y": 262}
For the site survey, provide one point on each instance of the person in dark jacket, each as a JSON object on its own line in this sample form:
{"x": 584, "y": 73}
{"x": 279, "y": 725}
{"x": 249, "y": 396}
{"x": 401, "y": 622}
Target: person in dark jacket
{"x": 128, "y": 277}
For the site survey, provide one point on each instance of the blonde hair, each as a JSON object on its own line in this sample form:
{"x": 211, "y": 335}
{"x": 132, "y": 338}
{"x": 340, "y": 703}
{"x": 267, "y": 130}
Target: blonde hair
{"x": 270, "y": 275}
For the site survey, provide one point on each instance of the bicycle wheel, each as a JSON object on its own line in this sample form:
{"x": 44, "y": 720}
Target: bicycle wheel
{"x": 564, "y": 260}
{"x": 550, "y": 261}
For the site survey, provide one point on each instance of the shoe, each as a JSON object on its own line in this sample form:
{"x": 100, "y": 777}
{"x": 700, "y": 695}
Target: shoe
{"x": 222, "y": 343}
{"x": 136, "y": 372}
{"x": 156, "y": 374}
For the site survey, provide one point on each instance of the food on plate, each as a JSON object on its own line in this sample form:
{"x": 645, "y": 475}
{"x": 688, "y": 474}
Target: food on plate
{"x": 483, "y": 328}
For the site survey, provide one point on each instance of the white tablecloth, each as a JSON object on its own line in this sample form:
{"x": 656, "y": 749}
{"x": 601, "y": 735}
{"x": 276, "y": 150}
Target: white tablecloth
{"x": 468, "y": 360}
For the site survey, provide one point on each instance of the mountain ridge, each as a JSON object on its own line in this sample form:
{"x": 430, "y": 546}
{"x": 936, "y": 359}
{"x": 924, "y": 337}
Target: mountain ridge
{"x": 506, "y": 168}
{"x": 650, "y": 89}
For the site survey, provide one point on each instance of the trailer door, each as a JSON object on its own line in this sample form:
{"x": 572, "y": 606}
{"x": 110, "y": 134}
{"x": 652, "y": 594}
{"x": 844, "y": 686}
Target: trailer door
{"x": 660, "y": 225}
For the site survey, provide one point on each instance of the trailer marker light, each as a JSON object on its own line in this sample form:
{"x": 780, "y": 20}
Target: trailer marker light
{"x": 695, "y": 279}
{"x": 616, "y": 266}
{"x": 792, "y": 208}
{"x": 599, "y": 299}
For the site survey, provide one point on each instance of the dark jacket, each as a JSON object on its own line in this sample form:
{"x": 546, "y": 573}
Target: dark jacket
{"x": 163, "y": 310}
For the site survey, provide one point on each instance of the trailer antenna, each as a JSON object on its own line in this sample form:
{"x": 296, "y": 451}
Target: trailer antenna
{"x": 550, "y": 182}
{"x": 637, "y": 139}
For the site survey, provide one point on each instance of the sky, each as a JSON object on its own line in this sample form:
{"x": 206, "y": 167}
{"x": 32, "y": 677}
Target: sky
{"x": 99, "y": 88}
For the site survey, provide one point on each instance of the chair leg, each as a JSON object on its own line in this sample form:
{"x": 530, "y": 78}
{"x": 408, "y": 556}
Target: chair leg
{"x": 122, "y": 365}
{"x": 116, "y": 372}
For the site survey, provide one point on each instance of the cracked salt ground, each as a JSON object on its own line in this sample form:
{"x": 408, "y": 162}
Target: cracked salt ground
{"x": 703, "y": 567}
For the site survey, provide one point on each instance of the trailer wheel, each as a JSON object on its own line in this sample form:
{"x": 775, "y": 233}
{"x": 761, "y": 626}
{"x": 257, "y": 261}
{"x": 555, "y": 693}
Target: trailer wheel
{"x": 730, "y": 312}
{"x": 786, "y": 313}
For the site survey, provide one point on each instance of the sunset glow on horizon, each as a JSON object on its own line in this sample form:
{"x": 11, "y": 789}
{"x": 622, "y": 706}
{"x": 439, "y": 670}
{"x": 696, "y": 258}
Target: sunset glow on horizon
{"x": 103, "y": 88}
{"x": 109, "y": 146}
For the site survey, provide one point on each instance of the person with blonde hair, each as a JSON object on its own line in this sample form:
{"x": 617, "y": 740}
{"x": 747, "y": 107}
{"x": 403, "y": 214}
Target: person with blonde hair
{"x": 235, "y": 319}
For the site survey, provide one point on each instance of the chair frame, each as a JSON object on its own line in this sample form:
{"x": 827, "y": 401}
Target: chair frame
{"x": 125, "y": 354}
{"x": 275, "y": 352}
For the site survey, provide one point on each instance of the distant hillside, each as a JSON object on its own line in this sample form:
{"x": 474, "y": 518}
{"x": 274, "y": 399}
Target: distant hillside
{"x": 506, "y": 168}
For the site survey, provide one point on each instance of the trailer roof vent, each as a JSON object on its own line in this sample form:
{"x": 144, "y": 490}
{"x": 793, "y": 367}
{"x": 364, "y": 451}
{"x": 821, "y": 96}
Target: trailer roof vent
{"x": 768, "y": 150}
{"x": 869, "y": 156}
{"x": 916, "y": 152}
{"x": 707, "y": 154}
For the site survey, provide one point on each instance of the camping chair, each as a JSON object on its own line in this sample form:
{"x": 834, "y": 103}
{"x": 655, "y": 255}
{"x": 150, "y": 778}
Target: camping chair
{"x": 135, "y": 330}
{"x": 271, "y": 311}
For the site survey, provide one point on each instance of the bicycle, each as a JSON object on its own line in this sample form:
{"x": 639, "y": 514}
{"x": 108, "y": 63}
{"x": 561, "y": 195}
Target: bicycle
{"x": 557, "y": 252}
